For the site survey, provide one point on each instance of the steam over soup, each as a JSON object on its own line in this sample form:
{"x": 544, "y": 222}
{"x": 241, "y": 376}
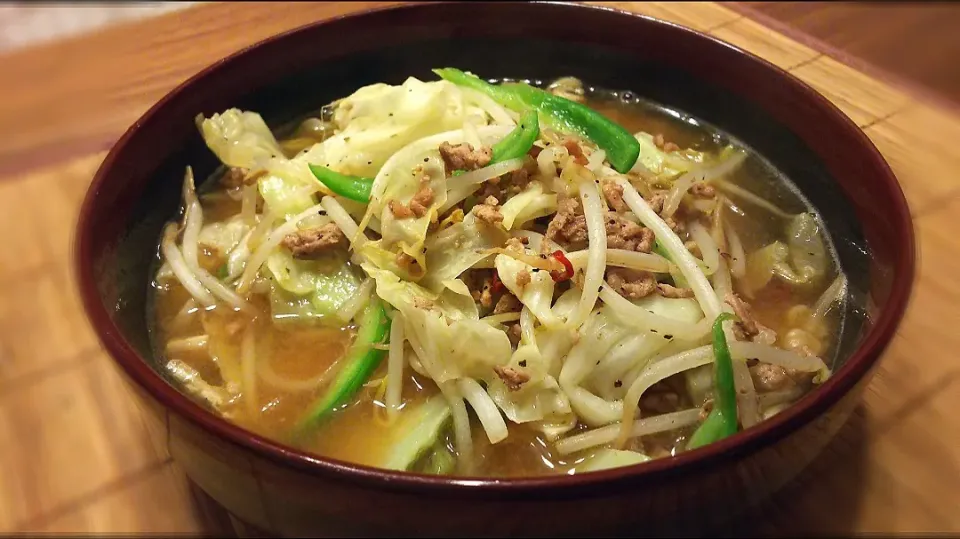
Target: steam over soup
{"x": 457, "y": 277}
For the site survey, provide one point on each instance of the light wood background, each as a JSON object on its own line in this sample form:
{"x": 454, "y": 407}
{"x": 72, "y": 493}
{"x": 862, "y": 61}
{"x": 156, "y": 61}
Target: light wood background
{"x": 74, "y": 456}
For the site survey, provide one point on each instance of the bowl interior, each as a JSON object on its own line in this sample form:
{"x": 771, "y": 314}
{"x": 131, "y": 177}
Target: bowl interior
{"x": 138, "y": 187}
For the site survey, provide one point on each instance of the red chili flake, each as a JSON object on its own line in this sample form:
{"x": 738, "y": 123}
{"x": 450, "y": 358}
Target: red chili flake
{"x": 498, "y": 285}
{"x": 568, "y": 268}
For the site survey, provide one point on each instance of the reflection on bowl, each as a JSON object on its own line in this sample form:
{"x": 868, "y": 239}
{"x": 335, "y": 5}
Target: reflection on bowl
{"x": 287, "y": 491}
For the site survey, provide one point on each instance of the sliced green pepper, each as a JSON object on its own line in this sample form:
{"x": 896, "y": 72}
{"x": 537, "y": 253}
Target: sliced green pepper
{"x": 361, "y": 360}
{"x": 352, "y": 187}
{"x": 563, "y": 114}
{"x": 722, "y": 421}
{"x": 518, "y": 141}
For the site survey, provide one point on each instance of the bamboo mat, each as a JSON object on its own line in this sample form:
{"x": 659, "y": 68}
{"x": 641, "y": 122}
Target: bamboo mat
{"x": 74, "y": 455}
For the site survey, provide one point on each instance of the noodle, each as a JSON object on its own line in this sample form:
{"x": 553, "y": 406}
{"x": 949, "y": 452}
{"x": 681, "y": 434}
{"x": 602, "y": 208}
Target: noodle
{"x": 674, "y": 247}
{"x": 597, "y": 255}
{"x": 395, "y": 367}
{"x": 186, "y": 277}
{"x": 642, "y": 427}
{"x": 654, "y": 373}
{"x": 487, "y": 412}
{"x": 625, "y": 259}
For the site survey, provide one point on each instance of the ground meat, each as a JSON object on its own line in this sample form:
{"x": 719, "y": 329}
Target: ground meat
{"x": 523, "y": 278}
{"x": 399, "y": 210}
{"x": 513, "y": 333}
{"x": 568, "y": 226}
{"x": 623, "y": 233}
{"x": 674, "y": 225}
{"x": 491, "y": 189}
{"x": 768, "y": 377}
{"x": 631, "y": 284}
{"x": 511, "y": 377}
{"x": 418, "y": 205}
{"x": 660, "y": 402}
{"x": 659, "y": 142}
{"x": 310, "y": 243}
{"x": 703, "y": 190}
{"x": 408, "y": 264}
{"x": 575, "y": 150}
{"x": 508, "y": 303}
{"x": 515, "y": 244}
{"x": 613, "y": 192}
{"x": 518, "y": 180}
{"x": 489, "y": 211}
{"x": 421, "y": 200}
{"x": 747, "y": 323}
{"x": 486, "y": 293}
{"x": 656, "y": 202}
{"x": 464, "y": 157}
{"x": 669, "y": 291}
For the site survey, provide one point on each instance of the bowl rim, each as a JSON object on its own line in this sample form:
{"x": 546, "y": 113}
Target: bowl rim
{"x": 804, "y": 411}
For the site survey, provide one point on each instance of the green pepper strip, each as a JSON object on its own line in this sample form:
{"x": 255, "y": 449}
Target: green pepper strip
{"x": 722, "y": 421}
{"x": 352, "y": 187}
{"x": 563, "y": 114}
{"x": 519, "y": 141}
{"x": 360, "y": 362}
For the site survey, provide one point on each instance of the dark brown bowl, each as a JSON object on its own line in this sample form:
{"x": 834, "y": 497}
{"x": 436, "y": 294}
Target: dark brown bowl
{"x": 286, "y": 491}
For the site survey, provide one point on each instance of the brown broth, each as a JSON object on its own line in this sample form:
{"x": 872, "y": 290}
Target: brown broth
{"x": 360, "y": 433}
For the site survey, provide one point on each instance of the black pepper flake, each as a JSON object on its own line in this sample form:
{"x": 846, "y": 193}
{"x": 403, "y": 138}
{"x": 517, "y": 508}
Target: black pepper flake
{"x": 598, "y": 362}
{"x": 426, "y": 159}
{"x": 522, "y": 363}
{"x": 543, "y": 257}
{"x": 321, "y": 212}
{"x": 668, "y": 337}
{"x": 535, "y": 270}
{"x": 390, "y": 115}
{"x": 618, "y": 383}
{"x": 369, "y": 162}
{"x": 654, "y": 331}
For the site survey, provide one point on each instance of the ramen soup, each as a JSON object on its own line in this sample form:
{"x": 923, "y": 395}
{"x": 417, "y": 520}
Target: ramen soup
{"x": 493, "y": 279}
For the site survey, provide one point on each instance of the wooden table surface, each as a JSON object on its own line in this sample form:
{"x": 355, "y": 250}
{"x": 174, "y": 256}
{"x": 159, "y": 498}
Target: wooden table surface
{"x": 74, "y": 455}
